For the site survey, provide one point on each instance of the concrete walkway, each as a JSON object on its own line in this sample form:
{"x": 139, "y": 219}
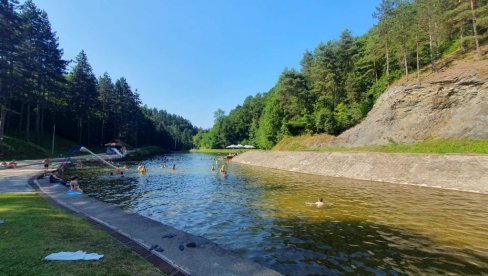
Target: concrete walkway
{"x": 206, "y": 258}
{"x": 16, "y": 180}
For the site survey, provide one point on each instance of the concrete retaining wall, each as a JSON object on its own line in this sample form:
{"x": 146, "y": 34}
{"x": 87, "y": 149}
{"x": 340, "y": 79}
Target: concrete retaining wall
{"x": 457, "y": 172}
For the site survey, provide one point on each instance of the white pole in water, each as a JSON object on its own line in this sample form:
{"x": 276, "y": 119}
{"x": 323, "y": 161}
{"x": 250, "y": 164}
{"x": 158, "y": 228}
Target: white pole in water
{"x": 103, "y": 160}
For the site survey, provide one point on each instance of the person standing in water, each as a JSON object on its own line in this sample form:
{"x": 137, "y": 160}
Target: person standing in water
{"x": 320, "y": 203}
{"x": 174, "y": 167}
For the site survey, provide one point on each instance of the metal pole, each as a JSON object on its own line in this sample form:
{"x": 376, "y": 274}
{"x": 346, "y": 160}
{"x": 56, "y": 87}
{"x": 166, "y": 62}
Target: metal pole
{"x": 96, "y": 155}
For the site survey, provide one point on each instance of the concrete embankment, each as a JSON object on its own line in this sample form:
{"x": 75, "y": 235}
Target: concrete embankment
{"x": 457, "y": 172}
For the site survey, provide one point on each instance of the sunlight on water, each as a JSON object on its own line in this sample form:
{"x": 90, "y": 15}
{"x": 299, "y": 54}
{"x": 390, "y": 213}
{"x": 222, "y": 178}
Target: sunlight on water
{"x": 261, "y": 214}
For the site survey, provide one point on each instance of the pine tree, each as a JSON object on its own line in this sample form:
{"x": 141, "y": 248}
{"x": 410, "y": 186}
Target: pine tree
{"x": 83, "y": 89}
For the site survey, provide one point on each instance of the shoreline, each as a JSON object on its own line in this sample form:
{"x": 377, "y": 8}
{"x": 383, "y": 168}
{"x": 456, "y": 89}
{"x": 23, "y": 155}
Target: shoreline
{"x": 204, "y": 258}
{"x": 466, "y": 173}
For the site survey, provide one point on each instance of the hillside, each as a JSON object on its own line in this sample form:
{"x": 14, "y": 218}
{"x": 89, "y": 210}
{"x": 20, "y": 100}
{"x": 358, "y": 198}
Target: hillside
{"x": 450, "y": 104}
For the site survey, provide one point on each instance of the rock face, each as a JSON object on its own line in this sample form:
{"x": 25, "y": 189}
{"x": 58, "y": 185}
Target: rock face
{"x": 450, "y": 104}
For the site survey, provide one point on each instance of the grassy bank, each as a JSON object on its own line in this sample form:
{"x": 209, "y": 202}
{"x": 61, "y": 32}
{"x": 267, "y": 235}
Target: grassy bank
{"x": 319, "y": 142}
{"x": 34, "y": 229}
{"x": 17, "y": 148}
{"x": 218, "y": 151}
{"x": 430, "y": 146}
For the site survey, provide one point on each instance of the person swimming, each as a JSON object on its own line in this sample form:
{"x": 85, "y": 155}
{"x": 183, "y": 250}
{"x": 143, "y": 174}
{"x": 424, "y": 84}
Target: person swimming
{"x": 320, "y": 203}
{"x": 213, "y": 168}
{"x": 174, "y": 167}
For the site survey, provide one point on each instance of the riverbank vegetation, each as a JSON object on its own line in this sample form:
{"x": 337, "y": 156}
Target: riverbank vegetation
{"x": 219, "y": 151}
{"x": 340, "y": 80}
{"x": 34, "y": 229}
{"x": 40, "y": 95}
{"x": 432, "y": 146}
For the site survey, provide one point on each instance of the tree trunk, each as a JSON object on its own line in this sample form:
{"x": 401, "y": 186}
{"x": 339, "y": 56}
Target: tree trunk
{"x": 475, "y": 31}
{"x": 88, "y": 132}
{"x": 405, "y": 63}
{"x": 43, "y": 115}
{"x": 387, "y": 64}
{"x": 38, "y": 124}
{"x": 417, "y": 53}
{"x": 137, "y": 132}
{"x": 27, "y": 123}
{"x": 102, "y": 136}
{"x": 463, "y": 49}
{"x": 375, "y": 72}
{"x": 21, "y": 116}
{"x": 3, "y": 115}
{"x": 431, "y": 50}
{"x": 80, "y": 130}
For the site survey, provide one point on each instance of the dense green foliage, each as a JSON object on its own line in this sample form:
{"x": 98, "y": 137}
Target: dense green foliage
{"x": 35, "y": 229}
{"x": 37, "y": 94}
{"x": 340, "y": 80}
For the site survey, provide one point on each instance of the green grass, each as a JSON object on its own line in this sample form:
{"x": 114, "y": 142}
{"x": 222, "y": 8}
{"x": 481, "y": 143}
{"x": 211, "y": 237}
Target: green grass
{"x": 14, "y": 147}
{"x": 463, "y": 146}
{"x": 218, "y": 151}
{"x": 34, "y": 229}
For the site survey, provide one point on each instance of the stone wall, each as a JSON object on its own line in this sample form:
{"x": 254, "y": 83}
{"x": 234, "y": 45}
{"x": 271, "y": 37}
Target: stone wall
{"x": 457, "y": 172}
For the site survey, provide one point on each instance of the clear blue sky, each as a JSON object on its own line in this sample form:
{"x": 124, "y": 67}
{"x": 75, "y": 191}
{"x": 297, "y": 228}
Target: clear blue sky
{"x": 191, "y": 57}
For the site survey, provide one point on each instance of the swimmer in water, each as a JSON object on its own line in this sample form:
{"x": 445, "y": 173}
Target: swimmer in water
{"x": 319, "y": 204}
{"x": 222, "y": 169}
{"x": 174, "y": 167}
{"x": 213, "y": 168}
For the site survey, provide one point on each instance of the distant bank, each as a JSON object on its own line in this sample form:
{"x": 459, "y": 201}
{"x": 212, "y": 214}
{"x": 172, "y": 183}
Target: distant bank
{"x": 451, "y": 171}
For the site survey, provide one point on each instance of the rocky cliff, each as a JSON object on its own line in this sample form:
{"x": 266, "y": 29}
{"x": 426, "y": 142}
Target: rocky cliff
{"x": 452, "y": 103}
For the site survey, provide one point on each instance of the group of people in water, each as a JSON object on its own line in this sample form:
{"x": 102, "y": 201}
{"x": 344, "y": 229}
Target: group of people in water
{"x": 73, "y": 185}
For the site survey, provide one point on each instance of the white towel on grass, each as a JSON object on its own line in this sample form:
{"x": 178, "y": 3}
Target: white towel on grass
{"x": 73, "y": 256}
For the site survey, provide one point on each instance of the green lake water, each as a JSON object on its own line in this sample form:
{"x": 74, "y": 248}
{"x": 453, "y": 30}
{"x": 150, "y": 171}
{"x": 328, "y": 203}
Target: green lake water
{"x": 261, "y": 214}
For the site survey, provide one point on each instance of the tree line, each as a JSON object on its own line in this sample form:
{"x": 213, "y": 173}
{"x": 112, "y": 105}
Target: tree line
{"x": 340, "y": 80}
{"x": 38, "y": 95}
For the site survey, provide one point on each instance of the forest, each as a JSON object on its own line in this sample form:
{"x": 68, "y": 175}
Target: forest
{"x": 39, "y": 95}
{"x": 340, "y": 80}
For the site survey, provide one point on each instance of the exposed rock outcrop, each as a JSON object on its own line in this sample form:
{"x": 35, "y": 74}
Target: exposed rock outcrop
{"x": 448, "y": 104}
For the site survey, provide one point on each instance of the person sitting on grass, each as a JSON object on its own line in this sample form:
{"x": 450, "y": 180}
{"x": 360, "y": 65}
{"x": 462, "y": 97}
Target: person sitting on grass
{"x": 55, "y": 178}
{"x": 73, "y": 184}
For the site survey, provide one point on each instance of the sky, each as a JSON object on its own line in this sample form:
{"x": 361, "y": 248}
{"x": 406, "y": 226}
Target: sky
{"x": 192, "y": 57}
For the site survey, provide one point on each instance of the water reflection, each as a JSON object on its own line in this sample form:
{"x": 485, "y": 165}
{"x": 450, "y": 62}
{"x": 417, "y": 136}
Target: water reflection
{"x": 373, "y": 228}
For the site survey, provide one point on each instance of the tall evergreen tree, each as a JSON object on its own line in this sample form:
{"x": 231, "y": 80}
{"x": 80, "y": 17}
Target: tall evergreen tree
{"x": 83, "y": 89}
